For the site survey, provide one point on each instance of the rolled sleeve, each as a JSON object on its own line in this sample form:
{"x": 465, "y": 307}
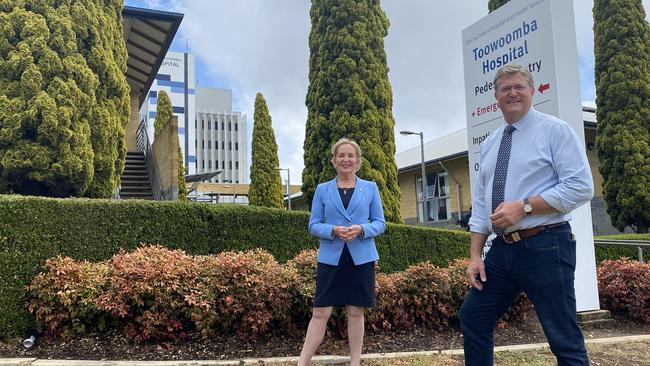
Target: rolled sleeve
{"x": 575, "y": 182}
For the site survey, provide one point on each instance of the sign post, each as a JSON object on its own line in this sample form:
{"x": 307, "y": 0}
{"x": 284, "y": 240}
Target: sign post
{"x": 539, "y": 35}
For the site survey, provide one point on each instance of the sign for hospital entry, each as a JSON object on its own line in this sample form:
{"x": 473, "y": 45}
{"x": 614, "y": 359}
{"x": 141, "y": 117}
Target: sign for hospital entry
{"x": 540, "y": 36}
{"x": 513, "y": 34}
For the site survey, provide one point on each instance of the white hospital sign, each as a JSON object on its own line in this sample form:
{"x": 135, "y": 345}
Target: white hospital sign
{"x": 539, "y": 35}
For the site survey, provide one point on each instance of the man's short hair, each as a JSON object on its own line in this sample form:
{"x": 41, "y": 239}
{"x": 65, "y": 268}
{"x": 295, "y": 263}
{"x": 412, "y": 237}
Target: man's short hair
{"x": 510, "y": 69}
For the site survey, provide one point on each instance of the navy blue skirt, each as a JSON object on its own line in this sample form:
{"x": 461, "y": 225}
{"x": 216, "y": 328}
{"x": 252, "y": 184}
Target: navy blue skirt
{"x": 345, "y": 284}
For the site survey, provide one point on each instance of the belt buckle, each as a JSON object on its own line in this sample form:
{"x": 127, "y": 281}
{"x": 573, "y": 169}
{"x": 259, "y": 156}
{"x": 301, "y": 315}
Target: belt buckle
{"x": 514, "y": 237}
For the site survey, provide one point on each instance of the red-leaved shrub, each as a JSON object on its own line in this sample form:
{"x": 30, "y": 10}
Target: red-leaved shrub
{"x": 244, "y": 293}
{"x": 390, "y": 312}
{"x": 458, "y": 287}
{"x": 624, "y": 288}
{"x": 149, "y": 290}
{"x": 158, "y": 293}
{"x": 63, "y": 297}
{"x": 305, "y": 265}
{"x": 426, "y": 294}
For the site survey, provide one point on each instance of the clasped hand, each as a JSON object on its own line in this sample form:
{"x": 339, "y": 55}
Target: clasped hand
{"x": 347, "y": 233}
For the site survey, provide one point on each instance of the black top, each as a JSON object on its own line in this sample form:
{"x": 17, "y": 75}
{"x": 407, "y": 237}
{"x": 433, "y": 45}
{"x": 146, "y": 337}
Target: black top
{"x": 346, "y": 195}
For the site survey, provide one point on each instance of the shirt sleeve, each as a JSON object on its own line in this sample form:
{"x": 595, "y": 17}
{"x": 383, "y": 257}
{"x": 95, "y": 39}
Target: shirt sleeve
{"x": 479, "y": 221}
{"x": 575, "y": 185}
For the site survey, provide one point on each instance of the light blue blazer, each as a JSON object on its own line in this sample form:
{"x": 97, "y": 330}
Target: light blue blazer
{"x": 364, "y": 209}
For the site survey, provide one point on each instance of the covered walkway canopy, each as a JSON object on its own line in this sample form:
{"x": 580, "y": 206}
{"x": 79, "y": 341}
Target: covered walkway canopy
{"x": 148, "y": 35}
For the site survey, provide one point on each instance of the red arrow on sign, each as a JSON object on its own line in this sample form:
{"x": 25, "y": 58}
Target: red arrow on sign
{"x": 544, "y": 87}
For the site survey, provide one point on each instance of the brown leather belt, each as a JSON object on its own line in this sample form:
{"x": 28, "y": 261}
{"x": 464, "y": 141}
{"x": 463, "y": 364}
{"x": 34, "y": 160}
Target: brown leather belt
{"x": 518, "y": 235}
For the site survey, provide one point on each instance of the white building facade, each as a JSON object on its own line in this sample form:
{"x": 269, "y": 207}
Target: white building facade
{"x": 176, "y": 77}
{"x": 221, "y": 136}
{"x": 212, "y": 136}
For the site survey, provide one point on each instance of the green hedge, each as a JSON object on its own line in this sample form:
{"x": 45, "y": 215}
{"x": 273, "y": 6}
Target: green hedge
{"x": 33, "y": 229}
{"x": 604, "y": 252}
{"x": 625, "y": 237}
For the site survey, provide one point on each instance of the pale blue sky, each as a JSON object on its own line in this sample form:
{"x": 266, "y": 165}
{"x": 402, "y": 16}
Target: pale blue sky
{"x": 253, "y": 46}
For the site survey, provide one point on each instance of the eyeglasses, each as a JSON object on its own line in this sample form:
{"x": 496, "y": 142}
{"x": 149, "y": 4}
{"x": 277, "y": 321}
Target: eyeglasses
{"x": 508, "y": 88}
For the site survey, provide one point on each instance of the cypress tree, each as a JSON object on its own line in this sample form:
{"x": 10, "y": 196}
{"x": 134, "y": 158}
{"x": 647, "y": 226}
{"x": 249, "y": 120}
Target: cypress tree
{"x": 495, "y": 4}
{"x": 100, "y": 39}
{"x": 46, "y": 37}
{"x": 164, "y": 115}
{"x": 622, "y": 72}
{"x": 350, "y": 96}
{"x": 47, "y": 96}
{"x": 266, "y": 186}
{"x": 164, "y": 112}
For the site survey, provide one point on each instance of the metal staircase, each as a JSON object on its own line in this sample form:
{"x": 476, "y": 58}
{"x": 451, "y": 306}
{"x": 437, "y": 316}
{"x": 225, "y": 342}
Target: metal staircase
{"x": 135, "y": 180}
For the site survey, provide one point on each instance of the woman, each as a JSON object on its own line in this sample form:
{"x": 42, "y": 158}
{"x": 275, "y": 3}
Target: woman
{"x": 346, "y": 215}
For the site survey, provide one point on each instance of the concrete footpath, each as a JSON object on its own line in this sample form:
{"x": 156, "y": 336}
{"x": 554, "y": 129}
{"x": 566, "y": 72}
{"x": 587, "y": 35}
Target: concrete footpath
{"x": 324, "y": 360}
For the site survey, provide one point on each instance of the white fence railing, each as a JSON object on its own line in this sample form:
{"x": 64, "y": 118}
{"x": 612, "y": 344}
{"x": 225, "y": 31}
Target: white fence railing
{"x": 639, "y": 244}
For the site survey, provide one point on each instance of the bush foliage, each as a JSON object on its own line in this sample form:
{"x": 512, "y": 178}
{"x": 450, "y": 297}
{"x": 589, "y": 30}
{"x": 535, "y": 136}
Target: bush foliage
{"x": 624, "y": 289}
{"x": 64, "y": 296}
{"x": 149, "y": 291}
{"x": 33, "y": 229}
{"x": 243, "y": 293}
{"x": 64, "y": 98}
{"x": 156, "y": 293}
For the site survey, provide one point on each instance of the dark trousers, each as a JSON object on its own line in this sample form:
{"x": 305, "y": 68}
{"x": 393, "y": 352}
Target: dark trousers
{"x": 543, "y": 266}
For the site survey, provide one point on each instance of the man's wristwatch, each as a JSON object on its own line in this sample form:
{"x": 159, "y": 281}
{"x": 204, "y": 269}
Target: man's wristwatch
{"x": 528, "y": 208}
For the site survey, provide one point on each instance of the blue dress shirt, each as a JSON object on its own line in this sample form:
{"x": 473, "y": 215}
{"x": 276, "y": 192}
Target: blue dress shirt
{"x": 547, "y": 160}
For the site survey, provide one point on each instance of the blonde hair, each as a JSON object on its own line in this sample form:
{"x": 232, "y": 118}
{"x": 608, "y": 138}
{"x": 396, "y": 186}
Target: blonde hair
{"x": 511, "y": 69}
{"x": 343, "y": 141}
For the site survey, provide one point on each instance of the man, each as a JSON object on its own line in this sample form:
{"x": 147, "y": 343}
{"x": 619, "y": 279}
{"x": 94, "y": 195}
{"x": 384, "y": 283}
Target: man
{"x": 533, "y": 172}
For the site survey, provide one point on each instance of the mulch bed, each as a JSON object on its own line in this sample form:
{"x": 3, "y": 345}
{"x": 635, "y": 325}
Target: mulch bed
{"x": 115, "y": 346}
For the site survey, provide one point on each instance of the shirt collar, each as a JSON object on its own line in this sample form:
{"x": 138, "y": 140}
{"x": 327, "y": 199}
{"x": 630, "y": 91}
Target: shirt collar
{"x": 524, "y": 121}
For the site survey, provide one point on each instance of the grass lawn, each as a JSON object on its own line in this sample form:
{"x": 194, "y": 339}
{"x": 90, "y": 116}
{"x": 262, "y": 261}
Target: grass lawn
{"x": 623, "y": 354}
{"x": 628, "y": 354}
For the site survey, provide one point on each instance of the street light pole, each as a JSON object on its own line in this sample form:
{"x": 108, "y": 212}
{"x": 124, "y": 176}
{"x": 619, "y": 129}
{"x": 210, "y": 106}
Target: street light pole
{"x": 288, "y": 190}
{"x": 425, "y": 214}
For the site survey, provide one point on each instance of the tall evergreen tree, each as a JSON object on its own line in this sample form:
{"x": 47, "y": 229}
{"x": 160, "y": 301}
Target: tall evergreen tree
{"x": 350, "y": 96}
{"x": 100, "y": 39}
{"x": 47, "y": 97}
{"x": 622, "y": 71}
{"x": 164, "y": 112}
{"x": 266, "y": 186}
{"x": 54, "y": 110}
{"x": 164, "y": 115}
{"x": 495, "y": 4}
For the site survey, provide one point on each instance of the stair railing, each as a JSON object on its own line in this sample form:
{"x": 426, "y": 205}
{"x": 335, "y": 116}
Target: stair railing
{"x": 143, "y": 144}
